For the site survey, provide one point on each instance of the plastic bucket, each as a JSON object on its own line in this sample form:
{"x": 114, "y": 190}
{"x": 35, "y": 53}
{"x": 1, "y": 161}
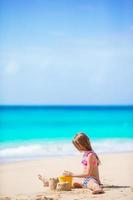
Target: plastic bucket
{"x": 63, "y": 179}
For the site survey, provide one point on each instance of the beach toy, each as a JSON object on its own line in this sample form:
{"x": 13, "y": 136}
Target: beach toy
{"x": 64, "y": 179}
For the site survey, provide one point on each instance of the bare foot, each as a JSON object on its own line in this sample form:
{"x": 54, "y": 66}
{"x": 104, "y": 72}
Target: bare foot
{"x": 45, "y": 182}
{"x": 98, "y": 191}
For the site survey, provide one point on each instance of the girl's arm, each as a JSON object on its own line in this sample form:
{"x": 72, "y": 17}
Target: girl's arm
{"x": 88, "y": 171}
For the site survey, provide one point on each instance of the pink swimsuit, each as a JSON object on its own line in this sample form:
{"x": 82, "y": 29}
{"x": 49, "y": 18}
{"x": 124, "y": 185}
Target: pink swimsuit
{"x": 84, "y": 162}
{"x": 85, "y": 156}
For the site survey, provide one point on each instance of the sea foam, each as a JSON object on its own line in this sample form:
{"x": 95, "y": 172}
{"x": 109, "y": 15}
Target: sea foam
{"x": 28, "y": 151}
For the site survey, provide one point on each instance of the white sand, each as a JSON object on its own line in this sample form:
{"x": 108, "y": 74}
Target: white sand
{"x": 19, "y": 180}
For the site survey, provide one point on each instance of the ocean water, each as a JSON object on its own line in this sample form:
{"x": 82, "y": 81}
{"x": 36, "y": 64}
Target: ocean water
{"x": 28, "y": 132}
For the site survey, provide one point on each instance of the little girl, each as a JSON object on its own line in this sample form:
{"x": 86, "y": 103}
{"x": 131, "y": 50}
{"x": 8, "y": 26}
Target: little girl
{"x": 90, "y": 163}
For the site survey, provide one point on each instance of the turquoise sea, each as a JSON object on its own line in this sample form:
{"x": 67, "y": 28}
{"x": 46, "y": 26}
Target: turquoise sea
{"x": 28, "y": 132}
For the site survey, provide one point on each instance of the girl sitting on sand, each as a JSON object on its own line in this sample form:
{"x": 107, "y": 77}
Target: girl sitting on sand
{"x": 90, "y": 163}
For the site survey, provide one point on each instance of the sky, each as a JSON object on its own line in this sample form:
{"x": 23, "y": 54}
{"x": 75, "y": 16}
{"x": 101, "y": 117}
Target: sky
{"x": 66, "y": 52}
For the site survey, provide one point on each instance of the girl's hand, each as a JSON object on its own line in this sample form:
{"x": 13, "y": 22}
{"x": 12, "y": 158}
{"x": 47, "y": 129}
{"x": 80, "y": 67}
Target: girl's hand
{"x": 67, "y": 173}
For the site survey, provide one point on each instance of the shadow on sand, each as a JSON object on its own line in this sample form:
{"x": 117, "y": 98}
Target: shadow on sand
{"x": 115, "y": 186}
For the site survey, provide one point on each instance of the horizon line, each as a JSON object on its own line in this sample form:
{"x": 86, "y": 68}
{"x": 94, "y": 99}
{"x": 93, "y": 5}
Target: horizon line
{"x": 67, "y": 105}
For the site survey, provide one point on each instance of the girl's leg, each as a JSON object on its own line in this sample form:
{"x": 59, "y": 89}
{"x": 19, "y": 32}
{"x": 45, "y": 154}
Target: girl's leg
{"x": 44, "y": 180}
{"x": 77, "y": 185}
{"x": 94, "y": 186}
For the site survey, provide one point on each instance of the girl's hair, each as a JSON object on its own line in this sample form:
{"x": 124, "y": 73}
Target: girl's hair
{"x": 82, "y": 143}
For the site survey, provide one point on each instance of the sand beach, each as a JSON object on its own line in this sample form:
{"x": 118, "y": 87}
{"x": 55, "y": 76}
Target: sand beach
{"x": 19, "y": 180}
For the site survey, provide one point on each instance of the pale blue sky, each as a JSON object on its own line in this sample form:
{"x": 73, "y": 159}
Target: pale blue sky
{"x": 66, "y": 52}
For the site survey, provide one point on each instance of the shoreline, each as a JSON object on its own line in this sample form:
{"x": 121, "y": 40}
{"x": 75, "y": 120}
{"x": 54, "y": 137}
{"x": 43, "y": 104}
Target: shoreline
{"x": 36, "y": 159}
{"x": 21, "y": 177}
{"x": 31, "y": 150}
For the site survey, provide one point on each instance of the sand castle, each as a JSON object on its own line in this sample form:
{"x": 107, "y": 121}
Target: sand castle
{"x": 62, "y": 183}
